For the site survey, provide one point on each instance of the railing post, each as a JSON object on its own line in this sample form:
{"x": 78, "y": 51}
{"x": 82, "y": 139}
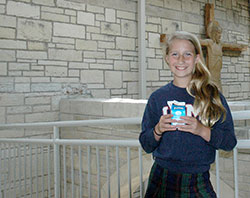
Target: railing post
{"x": 56, "y": 162}
{"x": 236, "y": 190}
{"x": 217, "y": 159}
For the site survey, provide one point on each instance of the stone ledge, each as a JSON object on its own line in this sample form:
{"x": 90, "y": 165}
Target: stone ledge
{"x": 115, "y": 107}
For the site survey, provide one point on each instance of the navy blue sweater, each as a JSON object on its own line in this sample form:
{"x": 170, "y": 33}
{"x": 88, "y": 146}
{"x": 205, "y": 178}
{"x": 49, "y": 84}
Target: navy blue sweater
{"x": 179, "y": 151}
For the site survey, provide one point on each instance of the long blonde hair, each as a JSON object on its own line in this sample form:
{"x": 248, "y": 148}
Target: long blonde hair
{"x": 207, "y": 97}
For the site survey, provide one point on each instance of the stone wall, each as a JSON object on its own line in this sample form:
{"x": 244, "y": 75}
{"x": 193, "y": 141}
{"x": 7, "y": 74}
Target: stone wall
{"x": 50, "y": 49}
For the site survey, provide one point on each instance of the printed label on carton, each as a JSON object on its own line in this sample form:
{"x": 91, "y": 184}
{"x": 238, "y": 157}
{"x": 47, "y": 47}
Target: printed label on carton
{"x": 178, "y": 111}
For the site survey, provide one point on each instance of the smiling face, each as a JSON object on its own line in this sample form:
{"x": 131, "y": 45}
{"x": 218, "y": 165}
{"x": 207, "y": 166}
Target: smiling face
{"x": 181, "y": 59}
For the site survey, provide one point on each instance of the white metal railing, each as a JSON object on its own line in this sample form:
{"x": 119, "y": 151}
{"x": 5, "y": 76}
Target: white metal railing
{"x": 56, "y": 142}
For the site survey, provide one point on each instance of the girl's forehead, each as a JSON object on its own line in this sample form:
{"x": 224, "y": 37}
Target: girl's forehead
{"x": 181, "y": 43}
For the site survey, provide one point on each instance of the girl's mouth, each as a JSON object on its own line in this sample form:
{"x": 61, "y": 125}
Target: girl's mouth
{"x": 180, "y": 68}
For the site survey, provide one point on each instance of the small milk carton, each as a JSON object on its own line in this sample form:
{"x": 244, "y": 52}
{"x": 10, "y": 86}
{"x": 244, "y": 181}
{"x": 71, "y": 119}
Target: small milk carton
{"x": 178, "y": 111}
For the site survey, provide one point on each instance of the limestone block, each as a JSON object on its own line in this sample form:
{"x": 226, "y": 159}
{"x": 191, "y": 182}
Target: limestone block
{"x": 19, "y": 110}
{"x": 92, "y": 76}
{"x": 90, "y": 107}
{"x": 101, "y": 66}
{"x": 100, "y": 93}
{"x": 7, "y": 21}
{"x": 158, "y": 3}
{"x": 234, "y": 88}
{"x": 41, "y": 117}
{"x": 110, "y": 15}
{"x": 37, "y": 46}
{"x": 49, "y": 87}
{"x": 63, "y": 40}
{"x": 125, "y": 43}
{"x": 2, "y": 115}
{"x": 115, "y": 92}
{"x": 44, "y": 2}
{"x": 22, "y": 87}
{"x": 70, "y": 12}
{"x": 52, "y": 62}
{"x": 12, "y": 44}
{"x": 113, "y": 54}
{"x": 15, "y": 73}
{"x": 55, "y": 71}
{"x": 40, "y": 79}
{"x": 15, "y": 118}
{"x": 191, "y": 6}
{"x": 75, "y": 65}
{"x": 152, "y": 75}
{"x": 55, "y": 17}
{"x": 152, "y": 28}
{"x": 154, "y": 63}
{"x": 129, "y": 28}
{"x": 85, "y": 18}
{"x": 190, "y": 27}
{"x": 95, "y": 9}
{"x": 99, "y": 17}
{"x": 7, "y": 55}
{"x": 32, "y": 54}
{"x": 34, "y": 30}
{"x": 6, "y": 85}
{"x": 170, "y": 26}
{"x": 126, "y": 15}
{"x": 92, "y": 29}
{"x": 74, "y": 73}
{"x": 11, "y": 99}
{"x": 106, "y": 45}
{"x": 41, "y": 108}
{"x": 86, "y": 45}
{"x": 113, "y": 79}
{"x": 7, "y": 33}
{"x": 23, "y": 9}
{"x": 53, "y": 10}
{"x": 133, "y": 88}
{"x": 65, "y": 55}
{"x": 2, "y": 9}
{"x": 245, "y": 86}
{"x": 121, "y": 65}
{"x": 3, "y": 69}
{"x": 94, "y": 55}
{"x": 101, "y": 37}
{"x": 70, "y": 5}
{"x": 110, "y": 28}
{"x": 130, "y": 76}
{"x": 154, "y": 40}
{"x": 154, "y": 20}
{"x": 69, "y": 30}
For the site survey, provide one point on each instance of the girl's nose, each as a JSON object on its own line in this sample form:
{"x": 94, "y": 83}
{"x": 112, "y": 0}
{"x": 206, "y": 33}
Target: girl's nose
{"x": 181, "y": 59}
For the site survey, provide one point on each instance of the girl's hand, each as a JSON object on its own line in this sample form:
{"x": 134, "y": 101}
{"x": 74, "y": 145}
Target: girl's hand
{"x": 164, "y": 124}
{"x": 194, "y": 126}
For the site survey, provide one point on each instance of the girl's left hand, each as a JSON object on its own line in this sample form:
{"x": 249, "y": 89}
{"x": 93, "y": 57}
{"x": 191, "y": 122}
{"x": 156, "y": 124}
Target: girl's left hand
{"x": 194, "y": 126}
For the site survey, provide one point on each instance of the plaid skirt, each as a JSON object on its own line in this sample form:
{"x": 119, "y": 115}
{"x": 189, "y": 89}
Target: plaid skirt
{"x": 164, "y": 184}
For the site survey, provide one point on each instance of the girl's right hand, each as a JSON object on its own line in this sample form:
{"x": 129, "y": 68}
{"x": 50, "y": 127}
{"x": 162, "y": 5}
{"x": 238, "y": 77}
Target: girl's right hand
{"x": 164, "y": 124}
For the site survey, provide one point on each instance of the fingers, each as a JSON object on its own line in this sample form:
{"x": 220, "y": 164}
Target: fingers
{"x": 191, "y": 124}
{"x": 165, "y": 123}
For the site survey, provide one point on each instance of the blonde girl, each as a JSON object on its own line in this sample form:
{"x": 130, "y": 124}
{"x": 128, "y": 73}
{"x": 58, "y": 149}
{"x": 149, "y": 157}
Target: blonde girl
{"x": 184, "y": 146}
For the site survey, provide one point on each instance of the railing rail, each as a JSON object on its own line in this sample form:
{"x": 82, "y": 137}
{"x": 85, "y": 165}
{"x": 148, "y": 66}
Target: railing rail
{"x": 56, "y": 142}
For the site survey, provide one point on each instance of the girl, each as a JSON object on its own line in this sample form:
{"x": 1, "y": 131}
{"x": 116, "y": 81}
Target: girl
{"x": 184, "y": 147}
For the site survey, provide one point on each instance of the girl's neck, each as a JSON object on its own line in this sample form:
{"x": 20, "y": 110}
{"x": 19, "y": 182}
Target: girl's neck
{"x": 181, "y": 83}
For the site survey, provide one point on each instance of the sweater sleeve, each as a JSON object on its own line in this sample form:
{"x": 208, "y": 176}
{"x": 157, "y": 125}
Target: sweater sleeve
{"x": 222, "y": 133}
{"x": 150, "y": 119}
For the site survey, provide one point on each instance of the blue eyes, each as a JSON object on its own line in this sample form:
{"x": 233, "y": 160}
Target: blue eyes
{"x": 186, "y": 54}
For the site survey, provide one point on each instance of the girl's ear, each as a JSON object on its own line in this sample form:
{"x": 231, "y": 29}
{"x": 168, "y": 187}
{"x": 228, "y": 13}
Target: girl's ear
{"x": 166, "y": 59}
{"x": 197, "y": 58}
